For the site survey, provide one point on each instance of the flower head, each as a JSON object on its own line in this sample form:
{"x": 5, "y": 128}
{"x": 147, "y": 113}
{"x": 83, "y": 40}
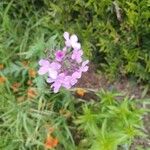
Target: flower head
{"x": 1, "y": 66}
{"x": 2, "y": 80}
{"x": 76, "y": 55}
{"x": 84, "y": 66}
{"x": 31, "y": 93}
{"x": 67, "y": 67}
{"x": 51, "y": 142}
{"x": 59, "y": 55}
{"x": 80, "y": 92}
{"x": 32, "y": 73}
{"x": 15, "y": 86}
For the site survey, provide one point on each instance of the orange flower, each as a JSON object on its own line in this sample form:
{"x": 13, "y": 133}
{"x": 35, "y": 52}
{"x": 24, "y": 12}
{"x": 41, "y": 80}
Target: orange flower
{"x": 2, "y": 80}
{"x": 31, "y": 93}
{"x": 51, "y": 142}
{"x": 32, "y": 73}
{"x": 1, "y": 66}
{"x": 25, "y": 63}
{"x": 15, "y": 86}
{"x": 80, "y": 92}
{"x": 29, "y": 82}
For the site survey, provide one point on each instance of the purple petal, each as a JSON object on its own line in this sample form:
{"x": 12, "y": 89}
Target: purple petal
{"x": 73, "y": 56}
{"x": 56, "y": 86}
{"x": 66, "y": 82}
{"x": 85, "y": 69}
{"x": 85, "y": 63}
{"x": 76, "y": 75}
{"x": 66, "y": 35}
{"x": 77, "y": 55}
{"x": 81, "y": 52}
{"x": 52, "y": 73}
{"x": 67, "y": 85}
{"x": 44, "y": 62}
{"x": 76, "y": 45}
{"x": 78, "y": 59}
{"x": 65, "y": 49}
{"x": 73, "y": 38}
{"x": 50, "y": 80}
{"x": 59, "y": 55}
{"x": 43, "y": 70}
{"x": 61, "y": 75}
{"x": 73, "y": 81}
{"x": 68, "y": 43}
{"x": 55, "y": 65}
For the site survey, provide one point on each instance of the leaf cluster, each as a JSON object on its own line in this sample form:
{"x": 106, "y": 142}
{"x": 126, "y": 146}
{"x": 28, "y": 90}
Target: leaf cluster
{"x": 110, "y": 123}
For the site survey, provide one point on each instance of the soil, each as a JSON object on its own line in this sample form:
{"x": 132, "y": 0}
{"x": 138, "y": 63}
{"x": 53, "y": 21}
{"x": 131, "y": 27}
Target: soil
{"x": 94, "y": 82}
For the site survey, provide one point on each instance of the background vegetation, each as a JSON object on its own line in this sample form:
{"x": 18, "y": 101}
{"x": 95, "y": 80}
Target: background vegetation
{"x": 113, "y": 33}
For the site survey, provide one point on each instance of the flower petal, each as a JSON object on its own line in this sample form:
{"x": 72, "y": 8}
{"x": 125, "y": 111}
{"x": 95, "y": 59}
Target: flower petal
{"x": 44, "y": 62}
{"x": 42, "y": 70}
{"x": 76, "y": 45}
{"x": 66, "y": 35}
{"x": 73, "y": 81}
{"x": 50, "y": 80}
{"x": 52, "y": 73}
{"x": 85, "y": 69}
{"x": 56, "y": 86}
{"x": 66, "y": 82}
{"x": 76, "y": 74}
{"x": 55, "y": 66}
{"x": 85, "y": 63}
{"x": 59, "y": 55}
{"x": 73, "y": 38}
{"x": 79, "y": 59}
{"x": 68, "y": 43}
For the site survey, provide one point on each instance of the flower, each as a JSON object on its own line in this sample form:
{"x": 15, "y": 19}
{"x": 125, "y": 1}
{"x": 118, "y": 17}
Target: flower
{"x": 51, "y": 142}
{"x": 44, "y": 66}
{"x": 57, "y": 83}
{"x": 64, "y": 81}
{"x": 25, "y": 64}
{"x": 72, "y": 41}
{"x": 32, "y": 73}
{"x": 29, "y": 82}
{"x": 2, "y": 80}
{"x": 84, "y": 66}
{"x": 77, "y": 74}
{"x": 1, "y": 66}
{"x": 59, "y": 55}
{"x": 31, "y": 93}
{"x": 77, "y": 55}
{"x": 50, "y": 68}
{"x": 15, "y": 86}
{"x": 80, "y": 92}
{"x": 67, "y": 67}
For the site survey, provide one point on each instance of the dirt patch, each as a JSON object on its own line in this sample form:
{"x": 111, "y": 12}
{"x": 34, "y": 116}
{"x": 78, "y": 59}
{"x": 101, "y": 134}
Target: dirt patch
{"x": 92, "y": 80}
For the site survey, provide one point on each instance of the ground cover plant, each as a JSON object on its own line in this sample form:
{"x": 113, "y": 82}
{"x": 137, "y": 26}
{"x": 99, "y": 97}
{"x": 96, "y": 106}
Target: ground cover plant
{"x": 38, "y": 111}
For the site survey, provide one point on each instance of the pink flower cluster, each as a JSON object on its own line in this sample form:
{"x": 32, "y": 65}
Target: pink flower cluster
{"x": 67, "y": 66}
